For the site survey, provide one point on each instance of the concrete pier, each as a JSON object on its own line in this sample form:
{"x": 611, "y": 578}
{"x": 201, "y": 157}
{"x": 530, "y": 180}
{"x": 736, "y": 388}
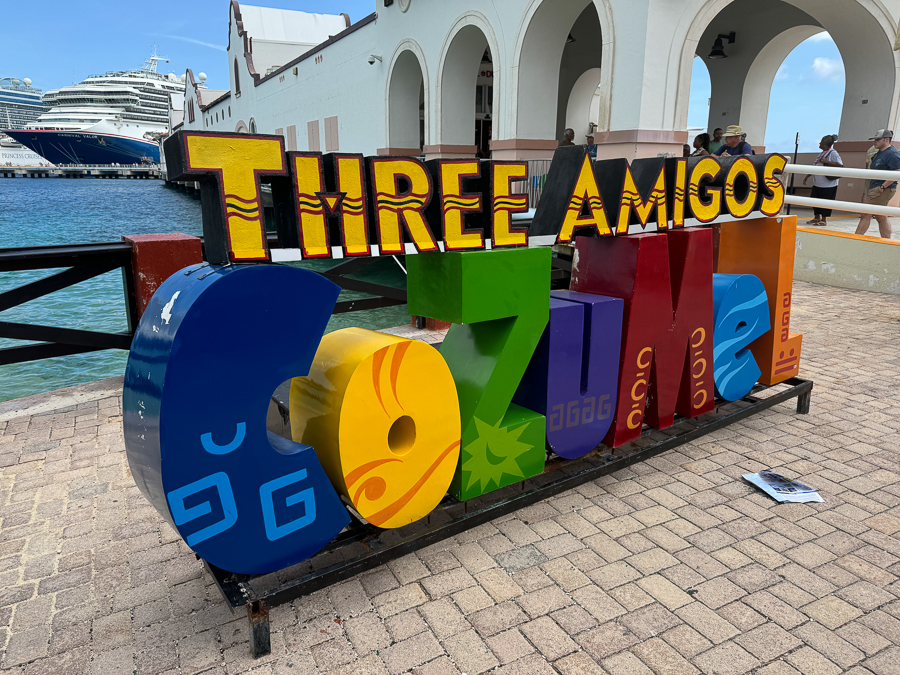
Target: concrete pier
{"x": 134, "y": 172}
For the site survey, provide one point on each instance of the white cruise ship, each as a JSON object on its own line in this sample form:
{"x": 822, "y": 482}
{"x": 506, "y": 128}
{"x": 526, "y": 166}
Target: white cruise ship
{"x": 115, "y": 118}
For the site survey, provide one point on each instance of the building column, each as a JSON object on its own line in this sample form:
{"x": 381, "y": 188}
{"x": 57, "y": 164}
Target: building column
{"x": 523, "y": 148}
{"x": 446, "y": 151}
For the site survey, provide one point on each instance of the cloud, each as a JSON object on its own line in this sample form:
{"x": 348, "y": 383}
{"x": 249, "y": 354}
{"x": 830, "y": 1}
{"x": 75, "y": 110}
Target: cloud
{"x": 824, "y": 36}
{"x": 828, "y": 69}
{"x": 191, "y": 40}
{"x": 783, "y": 74}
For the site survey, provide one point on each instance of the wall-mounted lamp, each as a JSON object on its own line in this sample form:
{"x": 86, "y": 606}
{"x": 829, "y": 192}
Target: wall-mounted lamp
{"x": 717, "y": 51}
{"x": 373, "y": 58}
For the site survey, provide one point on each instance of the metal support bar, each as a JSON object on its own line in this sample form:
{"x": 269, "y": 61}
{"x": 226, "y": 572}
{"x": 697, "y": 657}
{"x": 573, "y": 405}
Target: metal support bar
{"x": 65, "y": 336}
{"x": 260, "y": 637}
{"x": 70, "y": 255}
{"x": 350, "y": 265}
{"x": 55, "y": 282}
{"x": 365, "y": 303}
{"x": 452, "y": 517}
{"x": 44, "y": 350}
{"x": 803, "y": 401}
{"x": 366, "y": 287}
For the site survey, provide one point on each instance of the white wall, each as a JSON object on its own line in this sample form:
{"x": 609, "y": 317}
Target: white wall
{"x": 645, "y": 46}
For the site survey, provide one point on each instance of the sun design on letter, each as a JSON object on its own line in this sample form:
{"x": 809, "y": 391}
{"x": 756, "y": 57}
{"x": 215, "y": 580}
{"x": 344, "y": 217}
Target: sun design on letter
{"x": 495, "y": 452}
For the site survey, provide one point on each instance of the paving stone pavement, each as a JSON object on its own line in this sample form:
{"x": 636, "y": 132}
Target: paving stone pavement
{"x": 674, "y": 565}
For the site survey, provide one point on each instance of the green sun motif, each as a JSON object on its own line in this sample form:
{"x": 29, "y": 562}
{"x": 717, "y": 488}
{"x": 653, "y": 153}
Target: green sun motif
{"x": 494, "y": 453}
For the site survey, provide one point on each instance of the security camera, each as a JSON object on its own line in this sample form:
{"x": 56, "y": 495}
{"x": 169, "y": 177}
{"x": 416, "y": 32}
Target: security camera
{"x": 373, "y": 58}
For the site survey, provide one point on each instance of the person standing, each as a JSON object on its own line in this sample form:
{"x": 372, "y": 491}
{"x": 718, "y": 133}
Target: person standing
{"x": 824, "y": 187}
{"x": 733, "y": 144}
{"x": 880, "y": 192}
{"x": 591, "y": 146}
{"x": 716, "y": 141}
{"x": 568, "y": 138}
{"x": 701, "y": 145}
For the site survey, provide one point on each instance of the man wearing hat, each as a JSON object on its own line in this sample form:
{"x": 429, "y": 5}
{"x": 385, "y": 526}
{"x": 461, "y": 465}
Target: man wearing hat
{"x": 733, "y": 144}
{"x": 592, "y": 149}
{"x": 880, "y": 192}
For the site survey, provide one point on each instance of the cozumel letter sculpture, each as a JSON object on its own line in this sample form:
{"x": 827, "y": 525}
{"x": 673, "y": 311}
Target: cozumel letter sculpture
{"x": 388, "y": 425}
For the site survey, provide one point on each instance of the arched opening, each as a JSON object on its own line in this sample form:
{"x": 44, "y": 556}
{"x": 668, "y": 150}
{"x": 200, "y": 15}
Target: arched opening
{"x": 241, "y": 127}
{"x": 562, "y": 49}
{"x": 766, "y": 32}
{"x": 698, "y": 106}
{"x": 582, "y": 107}
{"x": 252, "y": 126}
{"x": 804, "y": 95}
{"x": 465, "y": 114}
{"x": 237, "y": 78}
{"x": 579, "y": 74}
{"x": 406, "y": 105}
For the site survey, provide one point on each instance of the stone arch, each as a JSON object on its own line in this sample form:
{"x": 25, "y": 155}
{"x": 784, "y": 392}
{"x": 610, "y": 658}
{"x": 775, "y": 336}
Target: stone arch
{"x": 540, "y": 42}
{"x": 407, "y": 89}
{"x": 454, "y": 117}
{"x": 871, "y": 73}
{"x": 241, "y": 127}
{"x": 581, "y": 98}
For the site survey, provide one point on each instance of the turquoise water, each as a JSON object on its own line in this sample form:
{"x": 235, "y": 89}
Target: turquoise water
{"x": 55, "y": 211}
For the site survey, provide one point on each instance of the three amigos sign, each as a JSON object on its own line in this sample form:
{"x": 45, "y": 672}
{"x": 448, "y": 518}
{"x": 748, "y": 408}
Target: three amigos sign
{"x": 654, "y": 324}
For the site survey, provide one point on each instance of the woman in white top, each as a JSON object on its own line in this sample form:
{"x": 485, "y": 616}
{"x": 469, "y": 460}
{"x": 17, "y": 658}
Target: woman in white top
{"x": 824, "y": 187}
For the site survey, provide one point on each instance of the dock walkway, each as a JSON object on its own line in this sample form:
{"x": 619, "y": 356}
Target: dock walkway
{"x": 80, "y": 171}
{"x": 675, "y": 565}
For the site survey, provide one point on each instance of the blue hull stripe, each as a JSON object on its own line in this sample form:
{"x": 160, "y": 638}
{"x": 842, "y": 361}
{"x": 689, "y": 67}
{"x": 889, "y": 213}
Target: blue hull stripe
{"x": 74, "y": 147}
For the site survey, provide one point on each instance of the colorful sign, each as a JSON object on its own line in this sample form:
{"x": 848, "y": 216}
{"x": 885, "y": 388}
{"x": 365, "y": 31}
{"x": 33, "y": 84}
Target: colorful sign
{"x": 647, "y": 331}
{"x": 339, "y": 205}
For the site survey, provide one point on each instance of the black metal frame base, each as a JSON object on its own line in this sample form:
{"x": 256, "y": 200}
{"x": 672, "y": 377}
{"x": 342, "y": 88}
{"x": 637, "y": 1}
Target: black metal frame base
{"x": 362, "y": 546}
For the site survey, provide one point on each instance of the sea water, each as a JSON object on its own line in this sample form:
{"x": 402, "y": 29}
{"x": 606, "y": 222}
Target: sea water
{"x": 52, "y": 211}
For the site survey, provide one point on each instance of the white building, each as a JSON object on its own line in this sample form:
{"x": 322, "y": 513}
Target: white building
{"x": 443, "y": 78}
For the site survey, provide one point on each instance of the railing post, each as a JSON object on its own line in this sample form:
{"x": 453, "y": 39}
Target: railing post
{"x": 154, "y": 258}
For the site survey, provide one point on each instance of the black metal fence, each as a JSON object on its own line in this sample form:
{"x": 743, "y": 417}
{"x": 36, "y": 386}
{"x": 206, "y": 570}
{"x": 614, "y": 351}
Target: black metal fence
{"x": 84, "y": 261}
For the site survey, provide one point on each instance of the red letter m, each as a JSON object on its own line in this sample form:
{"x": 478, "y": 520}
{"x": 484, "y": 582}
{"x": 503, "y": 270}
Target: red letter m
{"x": 667, "y": 333}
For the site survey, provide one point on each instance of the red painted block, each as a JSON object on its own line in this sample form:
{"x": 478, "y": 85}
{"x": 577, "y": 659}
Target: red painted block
{"x": 666, "y": 357}
{"x": 156, "y": 257}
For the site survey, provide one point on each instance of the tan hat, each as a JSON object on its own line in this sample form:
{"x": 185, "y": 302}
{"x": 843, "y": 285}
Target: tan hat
{"x": 733, "y": 130}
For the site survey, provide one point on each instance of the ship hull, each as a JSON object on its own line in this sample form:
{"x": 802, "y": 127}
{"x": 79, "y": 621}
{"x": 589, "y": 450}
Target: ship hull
{"x": 85, "y": 147}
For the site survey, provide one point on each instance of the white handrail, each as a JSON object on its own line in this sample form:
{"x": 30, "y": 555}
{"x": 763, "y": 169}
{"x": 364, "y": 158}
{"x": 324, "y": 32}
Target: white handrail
{"x": 842, "y": 171}
{"x": 855, "y": 207}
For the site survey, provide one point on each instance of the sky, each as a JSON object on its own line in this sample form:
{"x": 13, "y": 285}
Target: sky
{"x": 807, "y": 96}
{"x": 58, "y": 42}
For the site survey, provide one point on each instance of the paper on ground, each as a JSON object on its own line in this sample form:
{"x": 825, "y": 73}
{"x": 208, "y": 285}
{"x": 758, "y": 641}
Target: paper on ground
{"x": 782, "y": 489}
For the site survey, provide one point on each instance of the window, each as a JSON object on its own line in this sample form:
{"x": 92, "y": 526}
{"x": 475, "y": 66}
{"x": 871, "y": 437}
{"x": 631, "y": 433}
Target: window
{"x": 331, "y": 134}
{"x": 252, "y": 126}
{"x": 292, "y": 137}
{"x": 237, "y": 78}
{"x": 312, "y": 133}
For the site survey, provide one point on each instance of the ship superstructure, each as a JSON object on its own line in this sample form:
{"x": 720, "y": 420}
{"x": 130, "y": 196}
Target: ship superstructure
{"x": 20, "y": 103}
{"x": 115, "y": 118}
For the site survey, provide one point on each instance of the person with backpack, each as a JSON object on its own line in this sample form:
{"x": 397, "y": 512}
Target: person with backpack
{"x": 824, "y": 187}
{"x": 733, "y": 144}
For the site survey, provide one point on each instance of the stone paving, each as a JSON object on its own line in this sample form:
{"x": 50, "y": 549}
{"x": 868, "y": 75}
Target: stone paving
{"x": 672, "y": 566}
